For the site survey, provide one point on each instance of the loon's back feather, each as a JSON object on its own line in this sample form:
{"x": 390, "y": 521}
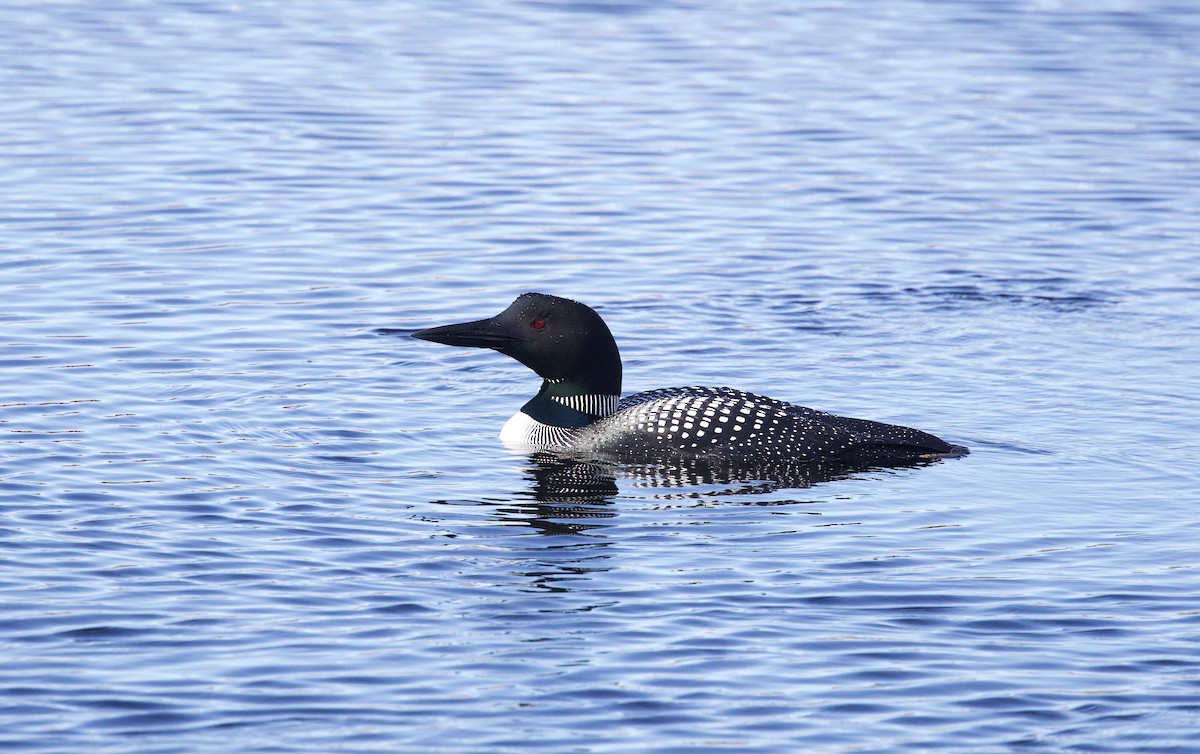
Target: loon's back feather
{"x": 741, "y": 427}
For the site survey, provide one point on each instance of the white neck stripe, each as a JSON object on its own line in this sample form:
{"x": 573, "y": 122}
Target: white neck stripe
{"x": 596, "y": 405}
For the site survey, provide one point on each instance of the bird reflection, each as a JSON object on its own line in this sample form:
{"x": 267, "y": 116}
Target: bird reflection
{"x": 572, "y": 496}
{"x": 569, "y": 497}
{"x": 558, "y": 480}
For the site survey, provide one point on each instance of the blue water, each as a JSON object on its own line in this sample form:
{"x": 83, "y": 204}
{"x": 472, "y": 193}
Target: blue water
{"x": 236, "y": 518}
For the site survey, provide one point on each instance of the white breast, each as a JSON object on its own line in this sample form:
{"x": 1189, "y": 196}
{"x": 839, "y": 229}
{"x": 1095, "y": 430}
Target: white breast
{"x": 523, "y": 432}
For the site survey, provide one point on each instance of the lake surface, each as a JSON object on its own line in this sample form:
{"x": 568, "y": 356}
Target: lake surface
{"x": 237, "y": 518}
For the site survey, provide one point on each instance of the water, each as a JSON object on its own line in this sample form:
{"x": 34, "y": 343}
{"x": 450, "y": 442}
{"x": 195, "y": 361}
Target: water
{"x": 236, "y": 518}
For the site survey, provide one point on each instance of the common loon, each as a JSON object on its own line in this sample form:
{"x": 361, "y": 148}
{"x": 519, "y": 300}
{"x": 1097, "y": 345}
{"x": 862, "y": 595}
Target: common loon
{"x": 579, "y": 412}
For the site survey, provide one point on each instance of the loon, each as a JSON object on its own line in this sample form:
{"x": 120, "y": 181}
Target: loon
{"x": 579, "y": 412}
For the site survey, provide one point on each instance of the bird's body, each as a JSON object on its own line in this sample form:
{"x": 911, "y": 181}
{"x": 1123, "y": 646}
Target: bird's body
{"x": 579, "y": 412}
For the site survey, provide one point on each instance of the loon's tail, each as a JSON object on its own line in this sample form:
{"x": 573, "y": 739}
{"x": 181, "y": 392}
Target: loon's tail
{"x": 956, "y": 451}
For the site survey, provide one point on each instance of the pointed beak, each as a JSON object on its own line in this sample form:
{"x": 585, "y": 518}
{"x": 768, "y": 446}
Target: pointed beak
{"x": 483, "y": 333}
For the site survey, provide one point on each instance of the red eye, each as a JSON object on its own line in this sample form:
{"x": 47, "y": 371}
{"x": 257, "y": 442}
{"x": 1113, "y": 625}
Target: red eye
{"x": 538, "y": 324}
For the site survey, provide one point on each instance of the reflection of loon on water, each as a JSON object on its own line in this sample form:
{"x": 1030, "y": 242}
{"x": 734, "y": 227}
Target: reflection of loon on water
{"x": 566, "y": 496}
{"x": 559, "y": 479}
{"x": 724, "y": 433}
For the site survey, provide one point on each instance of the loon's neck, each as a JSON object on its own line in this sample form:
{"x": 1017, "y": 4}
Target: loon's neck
{"x": 550, "y": 419}
{"x": 561, "y": 403}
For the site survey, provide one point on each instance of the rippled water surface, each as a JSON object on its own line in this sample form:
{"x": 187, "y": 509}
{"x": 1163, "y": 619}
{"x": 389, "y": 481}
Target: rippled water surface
{"x": 237, "y": 518}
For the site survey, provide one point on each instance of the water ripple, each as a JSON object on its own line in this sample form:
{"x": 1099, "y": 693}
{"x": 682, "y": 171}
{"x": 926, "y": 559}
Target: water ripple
{"x": 234, "y": 514}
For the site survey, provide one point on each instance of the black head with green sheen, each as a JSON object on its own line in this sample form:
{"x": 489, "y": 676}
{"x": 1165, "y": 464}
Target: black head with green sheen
{"x": 562, "y": 340}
